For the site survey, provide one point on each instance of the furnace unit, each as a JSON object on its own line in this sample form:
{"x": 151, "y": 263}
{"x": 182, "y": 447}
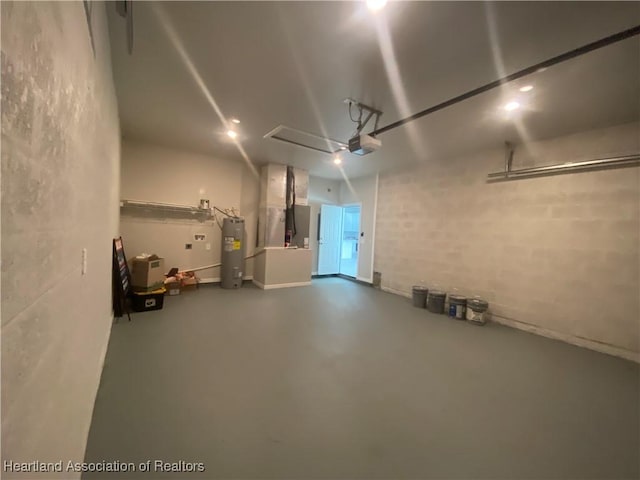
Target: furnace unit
{"x": 232, "y": 252}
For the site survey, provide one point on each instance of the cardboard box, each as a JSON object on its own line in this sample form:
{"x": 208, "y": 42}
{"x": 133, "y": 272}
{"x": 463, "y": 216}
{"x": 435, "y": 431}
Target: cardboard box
{"x": 189, "y": 283}
{"x": 144, "y": 302}
{"x": 147, "y": 274}
{"x": 173, "y": 288}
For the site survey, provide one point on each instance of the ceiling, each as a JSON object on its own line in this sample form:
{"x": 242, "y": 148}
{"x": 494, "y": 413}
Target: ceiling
{"x": 195, "y": 65}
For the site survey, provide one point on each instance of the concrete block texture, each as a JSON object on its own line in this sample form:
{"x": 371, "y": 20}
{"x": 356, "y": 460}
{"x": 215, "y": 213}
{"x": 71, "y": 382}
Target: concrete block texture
{"x": 60, "y": 172}
{"x": 558, "y": 252}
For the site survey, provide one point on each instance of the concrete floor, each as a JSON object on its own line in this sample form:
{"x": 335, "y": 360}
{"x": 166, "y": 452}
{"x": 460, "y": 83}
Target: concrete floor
{"x": 340, "y": 380}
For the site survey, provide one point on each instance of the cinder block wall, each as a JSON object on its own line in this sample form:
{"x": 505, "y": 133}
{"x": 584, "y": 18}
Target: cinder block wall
{"x": 558, "y": 254}
{"x": 60, "y": 168}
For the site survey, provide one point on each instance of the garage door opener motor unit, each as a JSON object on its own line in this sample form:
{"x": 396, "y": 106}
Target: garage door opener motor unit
{"x": 360, "y": 143}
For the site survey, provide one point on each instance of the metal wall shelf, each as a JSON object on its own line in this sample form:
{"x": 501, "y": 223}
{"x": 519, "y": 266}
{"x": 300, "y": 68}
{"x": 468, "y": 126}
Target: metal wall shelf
{"x": 157, "y": 207}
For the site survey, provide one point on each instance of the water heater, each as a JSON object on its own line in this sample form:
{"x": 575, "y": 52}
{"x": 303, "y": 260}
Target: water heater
{"x": 232, "y": 252}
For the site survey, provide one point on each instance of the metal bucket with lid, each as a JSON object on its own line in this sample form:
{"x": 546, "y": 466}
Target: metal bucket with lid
{"x": 419, "y": 295}
{"x": 435, "y": 301}
{"x": 477, "y": 311}
{"x": 457, "y": 307}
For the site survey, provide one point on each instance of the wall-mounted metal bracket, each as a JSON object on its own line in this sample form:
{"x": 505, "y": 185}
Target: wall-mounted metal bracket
{"x": 363, "y": 108}
{"x": 632, "y": 160}
{"x": 509, "y": 150}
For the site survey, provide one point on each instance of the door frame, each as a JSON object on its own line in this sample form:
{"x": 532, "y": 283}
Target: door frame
{"x": 320, "y": 243}
{"x": 343, "y": 206}
{"x": 374, "y": 220}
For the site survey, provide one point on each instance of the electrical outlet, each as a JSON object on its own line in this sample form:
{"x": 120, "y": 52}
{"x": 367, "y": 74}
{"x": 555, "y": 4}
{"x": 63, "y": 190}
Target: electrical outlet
{"x": 188, "y": 246}
{"x": 208, "y": 246}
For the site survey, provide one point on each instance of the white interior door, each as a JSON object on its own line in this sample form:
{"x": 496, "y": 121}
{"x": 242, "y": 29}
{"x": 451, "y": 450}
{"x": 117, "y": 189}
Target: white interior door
{"x": 330, "y": 239}
{"x": 350, "y": 240}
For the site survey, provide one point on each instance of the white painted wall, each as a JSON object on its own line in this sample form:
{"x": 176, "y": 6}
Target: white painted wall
{"x": 558, "y": 255}
{"x": 158, "y": 174}
{"x": 60, "y": 171}
{"x": 249, "y": 200}
{"x": 363, "y": 191}
{"x": 321, "y": 191}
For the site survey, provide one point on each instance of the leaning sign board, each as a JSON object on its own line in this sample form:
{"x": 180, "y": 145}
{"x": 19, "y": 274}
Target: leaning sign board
{"x": 121, "y": 280}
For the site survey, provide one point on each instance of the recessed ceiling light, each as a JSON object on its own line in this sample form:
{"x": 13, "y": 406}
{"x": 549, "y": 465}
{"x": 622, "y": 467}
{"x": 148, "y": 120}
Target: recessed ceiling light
{"x": 343, "y": 148}
{"x": 337, "y": 160}
{"x": 511, "y": 106}
{"x": 526, "y": 88}
{"x": 232, "y": 134}
{"x": 375, "y": 5}
{"x": 235, "y": 120}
